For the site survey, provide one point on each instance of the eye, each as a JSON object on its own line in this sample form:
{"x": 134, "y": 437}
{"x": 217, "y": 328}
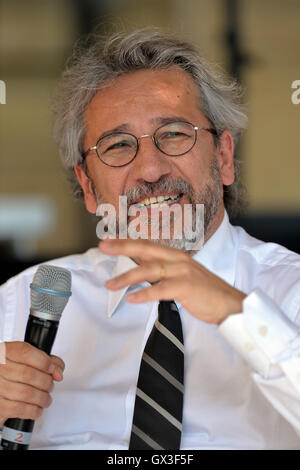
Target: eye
{"x": 117, "y": 145}
{"x": 172, "y": 135}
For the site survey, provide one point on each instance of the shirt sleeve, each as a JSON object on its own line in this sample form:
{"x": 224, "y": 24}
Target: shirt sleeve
{"x": 14, "y": 308}
{"x": 270, "y": 342}
{"x": 3, "y": 300}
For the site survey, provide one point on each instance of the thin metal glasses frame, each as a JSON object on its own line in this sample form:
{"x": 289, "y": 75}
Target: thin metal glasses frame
{"x": 196, "y": 128}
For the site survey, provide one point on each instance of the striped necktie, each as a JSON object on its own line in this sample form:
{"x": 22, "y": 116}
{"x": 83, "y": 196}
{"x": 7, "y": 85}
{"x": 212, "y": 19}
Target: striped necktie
{"x": 157, "y": 419}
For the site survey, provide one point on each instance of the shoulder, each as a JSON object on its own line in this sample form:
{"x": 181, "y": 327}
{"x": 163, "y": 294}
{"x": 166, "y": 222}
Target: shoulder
{"x": 265, "y": 254}
{"x": 87, "y": 269}
{"x": 89, "y": 261}
{"x": 272, "y": 267}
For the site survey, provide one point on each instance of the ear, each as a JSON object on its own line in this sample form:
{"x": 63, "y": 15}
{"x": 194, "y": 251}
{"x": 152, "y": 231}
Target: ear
{"x": 86, "y": 186}
{"x": 226, "y": 157}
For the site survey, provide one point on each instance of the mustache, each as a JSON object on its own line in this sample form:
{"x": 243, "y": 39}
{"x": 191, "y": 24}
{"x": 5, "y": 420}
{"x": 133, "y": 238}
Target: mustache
{"x": 146, "y": 190}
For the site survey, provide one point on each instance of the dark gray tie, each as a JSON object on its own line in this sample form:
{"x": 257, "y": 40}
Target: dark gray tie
{"x": 157, "y": 419}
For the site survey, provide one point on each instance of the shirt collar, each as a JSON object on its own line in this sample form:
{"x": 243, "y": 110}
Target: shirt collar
{"x": 218, "y": 255}
{"x": 122, "y": 265}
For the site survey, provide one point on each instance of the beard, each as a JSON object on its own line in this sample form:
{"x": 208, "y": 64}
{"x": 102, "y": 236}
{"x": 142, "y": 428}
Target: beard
{"x": 210, "y": 196}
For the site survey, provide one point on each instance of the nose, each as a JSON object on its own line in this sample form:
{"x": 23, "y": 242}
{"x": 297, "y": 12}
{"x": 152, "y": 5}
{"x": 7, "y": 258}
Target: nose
{"x": 150, "y": 164}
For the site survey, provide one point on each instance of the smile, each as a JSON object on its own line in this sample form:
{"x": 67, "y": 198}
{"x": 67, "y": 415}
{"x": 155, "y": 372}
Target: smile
{"x": 159, "y": 201}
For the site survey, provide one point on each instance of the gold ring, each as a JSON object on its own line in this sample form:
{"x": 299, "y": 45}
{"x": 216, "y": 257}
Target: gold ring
{"x": 162, "y": 272}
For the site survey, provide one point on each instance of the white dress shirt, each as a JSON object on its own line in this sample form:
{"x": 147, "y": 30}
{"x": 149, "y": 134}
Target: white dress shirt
{"x": 242, "y": 379}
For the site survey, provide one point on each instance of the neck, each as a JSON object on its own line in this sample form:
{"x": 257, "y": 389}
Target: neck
{"x": 216, "y": 224}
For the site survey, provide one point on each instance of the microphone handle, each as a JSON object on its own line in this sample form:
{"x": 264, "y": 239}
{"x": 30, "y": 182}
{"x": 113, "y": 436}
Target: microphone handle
{"x": 16, "y": 432}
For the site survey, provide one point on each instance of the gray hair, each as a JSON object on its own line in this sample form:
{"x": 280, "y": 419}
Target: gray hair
{"x": 98, "y": 60}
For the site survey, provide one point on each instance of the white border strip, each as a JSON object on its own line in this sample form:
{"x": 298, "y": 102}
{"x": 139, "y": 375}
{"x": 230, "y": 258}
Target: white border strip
{"x": 2, "y": 353}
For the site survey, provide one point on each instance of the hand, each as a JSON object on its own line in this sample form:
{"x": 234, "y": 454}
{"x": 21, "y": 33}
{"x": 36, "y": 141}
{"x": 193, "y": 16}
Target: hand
{"x": 203, "y": 294}
{"x": 26, "y": 380}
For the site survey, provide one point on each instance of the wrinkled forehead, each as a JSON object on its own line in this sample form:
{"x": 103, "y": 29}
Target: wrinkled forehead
{"x": 170, "y": 87}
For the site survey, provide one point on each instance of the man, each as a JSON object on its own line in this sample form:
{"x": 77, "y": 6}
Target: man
{"x": 144, "y": 116}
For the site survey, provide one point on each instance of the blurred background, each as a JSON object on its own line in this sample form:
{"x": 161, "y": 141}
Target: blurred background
{"x": 256, "y": 41}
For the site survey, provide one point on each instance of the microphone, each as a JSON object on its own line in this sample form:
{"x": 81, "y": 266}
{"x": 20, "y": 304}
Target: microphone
{"x": 50, "y": 292}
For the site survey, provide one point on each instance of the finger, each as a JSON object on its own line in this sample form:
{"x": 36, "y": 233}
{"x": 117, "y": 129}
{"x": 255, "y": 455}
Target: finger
{"x": 21, "y": 373}
{"x": 144, "y": 249}
{"x": 14, "y": 409}
{"x": 58, "y": 362}
{"x": 25, "y": 353}
{"x": 167, "y": 290}
{"x": 24, "y": 393}
{"x": 148, "y": 271}
{"x": 154, "y": 271}
{"x": 58, "y": 374}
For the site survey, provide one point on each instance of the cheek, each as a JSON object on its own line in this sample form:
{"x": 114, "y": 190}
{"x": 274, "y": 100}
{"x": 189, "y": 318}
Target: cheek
{"x": 194, "y": 168}
{"x": 109, "y": 185}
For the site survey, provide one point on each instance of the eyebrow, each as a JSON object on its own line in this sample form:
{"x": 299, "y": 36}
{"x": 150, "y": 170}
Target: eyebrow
{"x": 159, "y": 121}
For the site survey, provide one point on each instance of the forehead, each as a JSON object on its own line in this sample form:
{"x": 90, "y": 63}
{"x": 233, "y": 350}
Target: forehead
{"x": 141, "y": 95}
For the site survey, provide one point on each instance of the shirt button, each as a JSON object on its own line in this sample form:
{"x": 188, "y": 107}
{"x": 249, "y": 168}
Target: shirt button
{"x": 249, "y": 347}
{"x": 125, "y": 443}
{"x": 298, "y": 377}
{"x": 263, "y": 330}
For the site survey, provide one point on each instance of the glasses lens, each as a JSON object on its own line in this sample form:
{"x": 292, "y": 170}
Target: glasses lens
{"x": 117, "y": 149}
{"x": 175, "y": 138}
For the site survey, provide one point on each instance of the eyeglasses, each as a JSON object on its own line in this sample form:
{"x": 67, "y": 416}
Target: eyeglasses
{"x": 173, "y": 139}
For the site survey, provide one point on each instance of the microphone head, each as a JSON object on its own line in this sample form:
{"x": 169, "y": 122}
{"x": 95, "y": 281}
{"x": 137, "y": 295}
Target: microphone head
{"x": 50, "y": 290}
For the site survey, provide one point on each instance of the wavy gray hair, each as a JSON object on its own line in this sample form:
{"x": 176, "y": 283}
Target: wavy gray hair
{"x": 97, "y": 60}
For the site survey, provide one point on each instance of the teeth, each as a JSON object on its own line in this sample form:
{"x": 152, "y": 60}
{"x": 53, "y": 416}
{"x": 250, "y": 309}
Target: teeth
{"x": 158, "y": 201}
